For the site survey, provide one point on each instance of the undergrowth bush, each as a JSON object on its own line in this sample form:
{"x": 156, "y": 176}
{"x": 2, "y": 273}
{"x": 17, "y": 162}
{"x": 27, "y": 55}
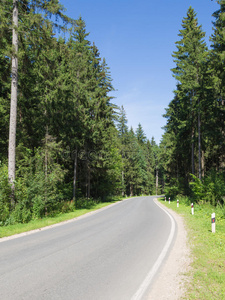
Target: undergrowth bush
{"x": 211, "y": 189}
{"x": 184, "y": 200}
{"x": 5, "y": 191}
{"x": 84, "y": 203}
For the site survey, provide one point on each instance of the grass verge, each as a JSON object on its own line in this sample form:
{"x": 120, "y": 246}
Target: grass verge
{"x": 208, "y": 250}
{"x": 40, "y": 223}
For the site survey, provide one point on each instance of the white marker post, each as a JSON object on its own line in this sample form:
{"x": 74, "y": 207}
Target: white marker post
{"x": 177, "y": 203}
{"x": 169, "y": 200}
{"x": 192, "y": 208}
{"x": 165, "y": 199}
{"x": 213, "y": 220}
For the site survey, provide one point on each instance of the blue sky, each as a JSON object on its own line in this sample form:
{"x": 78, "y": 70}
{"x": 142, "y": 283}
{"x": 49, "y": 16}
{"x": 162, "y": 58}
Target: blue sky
{"x": 137, "y": 38}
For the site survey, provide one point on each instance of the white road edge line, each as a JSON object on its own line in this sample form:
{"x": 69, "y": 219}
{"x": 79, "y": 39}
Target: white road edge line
{"x": 143, "y": 287}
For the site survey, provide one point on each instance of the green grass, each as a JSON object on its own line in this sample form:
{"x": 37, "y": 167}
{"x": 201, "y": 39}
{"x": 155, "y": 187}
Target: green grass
{"x": 207, "y": 275}
{"x": 36, "y": 224}
{"x": 40, "y": 223}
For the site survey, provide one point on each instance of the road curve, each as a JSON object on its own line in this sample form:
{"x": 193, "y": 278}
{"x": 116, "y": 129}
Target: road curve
{"x": 113, "y": 254}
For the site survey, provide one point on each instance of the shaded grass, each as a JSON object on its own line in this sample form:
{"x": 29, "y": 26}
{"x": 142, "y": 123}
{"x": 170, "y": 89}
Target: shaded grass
{"x": 40, "y": 223}
{"x": 207, "y": 248}
{"x": 85, "y": 206}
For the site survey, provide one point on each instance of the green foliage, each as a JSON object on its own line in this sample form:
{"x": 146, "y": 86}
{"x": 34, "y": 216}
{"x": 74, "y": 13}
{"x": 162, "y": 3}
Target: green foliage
{"x": 184, "y": 200}
{"x": 38, "y": 207}
{"x": 140, "y": 135}
{"x": 21, "y": 213}
{"x": 211, "y": 189}
{"x": 172, "y": 191}
{"x": 194, "y": 133}
{"x": 215, "y": 187}
{"x": 68, "y": 144}
{"x": 197, "y": 187}
{"x": 5, "y": 192}
{"x": 84, "y": 203}
{"x": 37, "y": 187}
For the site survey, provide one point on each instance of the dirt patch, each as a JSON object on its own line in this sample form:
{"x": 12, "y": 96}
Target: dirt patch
{"x": 171, "y": 282}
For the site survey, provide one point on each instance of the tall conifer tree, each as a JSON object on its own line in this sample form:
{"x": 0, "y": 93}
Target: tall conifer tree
{"x": 190, "y": 59}
{"x": 218, "y": 69}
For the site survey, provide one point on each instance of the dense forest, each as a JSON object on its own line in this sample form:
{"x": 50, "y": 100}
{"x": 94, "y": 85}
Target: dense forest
{"x": 63, "y": 140}
{"x": 194, "y": 139}
{"x": 72, "y": 142}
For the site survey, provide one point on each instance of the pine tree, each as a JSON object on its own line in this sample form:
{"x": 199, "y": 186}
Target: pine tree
{"x": 91, "y": 83}
{"x": 150, "y": 168}
{"x": 123, "y": 136}
{"x": 63, "y": 102}
{"x": 26, "y": 16}
{"x": 122, "y": 124}
{"x": 190, "y": 59}
{"x": 218, "y": 71}
{"x": 140, "y": 134}
{"x": 218, "y": 53}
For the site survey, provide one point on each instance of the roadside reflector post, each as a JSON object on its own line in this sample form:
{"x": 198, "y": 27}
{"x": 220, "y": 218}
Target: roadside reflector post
{"x": 165, "y": 199}
{"x": 169, "y": 200}
{"x": 192, "y": 208}
{"x": 177, "y": 202}
{"x": 213, "y": 221}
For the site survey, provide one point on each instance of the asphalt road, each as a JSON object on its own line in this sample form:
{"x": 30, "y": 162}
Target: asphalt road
{"x": 113, "y": 254}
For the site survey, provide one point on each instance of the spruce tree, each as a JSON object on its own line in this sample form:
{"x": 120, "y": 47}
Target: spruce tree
{"x": 218, "y": 72}
{"x": 218, "y": 53}
{"x": 29, "y": 19}
{"x": 140, "y": 134}
{"x": 122, "y": 124}
{"x": 190, "y": 59}
{"x": 123, "y": 136}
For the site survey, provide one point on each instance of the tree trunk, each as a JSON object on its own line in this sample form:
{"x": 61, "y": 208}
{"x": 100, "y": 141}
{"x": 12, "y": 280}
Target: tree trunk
{"x": 131, "y": 190}
{"x": 75, "y": 177}
{"x": 203, "y": 163}
{"x": 192, "y": 135}
{"x": 46, "y": 169}
{"x": 13, "y": 105}
{"x": 157, "y": 181}
{"x": 88, "y": 179}
{"x": 192, "y": 153}
{"x": 122, "y": 183}
{"x": 89, "y": 182}
{"x": 199, "y": 145}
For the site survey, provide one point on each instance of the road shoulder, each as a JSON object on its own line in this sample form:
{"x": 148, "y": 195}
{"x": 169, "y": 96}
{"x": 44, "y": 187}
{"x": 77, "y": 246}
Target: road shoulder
{"x": 172, "y": 279}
